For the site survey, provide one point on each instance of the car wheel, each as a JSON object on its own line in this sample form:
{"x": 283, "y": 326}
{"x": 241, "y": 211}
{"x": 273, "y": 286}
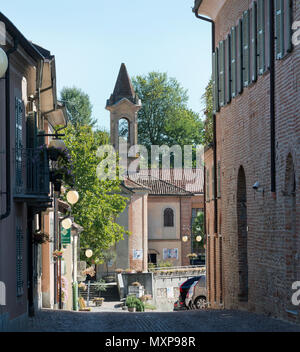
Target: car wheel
{"x": 200, "y": 303}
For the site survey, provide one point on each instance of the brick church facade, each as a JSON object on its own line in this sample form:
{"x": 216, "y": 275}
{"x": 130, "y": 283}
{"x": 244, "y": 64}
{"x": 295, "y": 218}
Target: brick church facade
{"x": 252, "y": 168}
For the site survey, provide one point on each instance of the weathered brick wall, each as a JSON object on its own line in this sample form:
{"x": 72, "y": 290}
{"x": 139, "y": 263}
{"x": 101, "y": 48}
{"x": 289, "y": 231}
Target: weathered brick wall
{"x": 243, "y": 139}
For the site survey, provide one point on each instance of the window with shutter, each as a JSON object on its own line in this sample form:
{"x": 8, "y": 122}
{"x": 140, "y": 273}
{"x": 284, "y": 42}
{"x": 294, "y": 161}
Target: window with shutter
{"x": 215, "y": 81}
{"x": 254, "y": 42}
{"x": 221, "y": 74}
{"x": 19, "y": 260}
{"x": 246, "y": 49}
{"x": 279, "y": 24}
{"x": 233, "y": 62}
{"x": 240, "y": 57}
{"x": 168, "y": 217}
{"x": 288, "y": 25}
{"x": 228, "y": 69}
{"x": 18, "y": 142}
{"x": 261, "y": 42}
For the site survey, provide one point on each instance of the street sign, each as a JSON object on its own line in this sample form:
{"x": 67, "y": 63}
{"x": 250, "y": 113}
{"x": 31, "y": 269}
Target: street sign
{"x": 65, "y": 236}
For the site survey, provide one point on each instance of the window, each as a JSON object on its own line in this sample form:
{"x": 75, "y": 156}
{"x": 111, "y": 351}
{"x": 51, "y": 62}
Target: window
{"x": 124, "y": 130}
{"x": 19, "y": 125}
{"x": 168, "y": 217}
{"x": 222, "y": 101}
{"x": 207, "y": 186}
{"x": 246, "y": 49}
{"x": 233, "y": 62}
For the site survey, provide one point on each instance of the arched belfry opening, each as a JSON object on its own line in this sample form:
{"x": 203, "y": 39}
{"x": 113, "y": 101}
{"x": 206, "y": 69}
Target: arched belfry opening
{"x": 123, "y": 105}
{"x": 292, "y": 250}
{"x": 242, "y": 228}
{"x": 123, "y": 130}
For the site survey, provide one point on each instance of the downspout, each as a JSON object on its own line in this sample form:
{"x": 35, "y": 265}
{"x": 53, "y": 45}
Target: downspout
{"x": 272, "y": 100}
{"x": 213, "y": 36}
{"x": 7, "y": 131}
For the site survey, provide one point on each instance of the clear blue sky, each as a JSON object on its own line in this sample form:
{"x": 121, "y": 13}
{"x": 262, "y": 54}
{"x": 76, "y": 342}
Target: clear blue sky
{"x": 91, "y": 38}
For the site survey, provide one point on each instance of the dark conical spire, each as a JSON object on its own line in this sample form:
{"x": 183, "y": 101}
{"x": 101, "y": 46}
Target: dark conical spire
{"x": 123, "y": 88}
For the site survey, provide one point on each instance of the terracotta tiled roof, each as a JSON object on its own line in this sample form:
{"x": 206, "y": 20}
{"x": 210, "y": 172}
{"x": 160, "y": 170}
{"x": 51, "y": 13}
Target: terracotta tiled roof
{"x": 171, "y": 182}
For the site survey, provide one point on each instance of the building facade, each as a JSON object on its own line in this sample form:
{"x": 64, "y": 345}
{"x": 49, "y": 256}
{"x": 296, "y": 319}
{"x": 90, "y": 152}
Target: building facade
{"x": 28, "y": 110}
{"x": 254, "y": 244}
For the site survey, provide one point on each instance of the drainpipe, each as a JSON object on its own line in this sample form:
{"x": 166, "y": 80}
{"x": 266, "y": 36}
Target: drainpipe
{"x": 272, "y": 100}
{"x": 7, "y": 131}
{"x": 213, "y": 36}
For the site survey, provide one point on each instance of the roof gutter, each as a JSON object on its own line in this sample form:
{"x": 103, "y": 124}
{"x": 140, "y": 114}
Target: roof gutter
{"x": 213, "y": 37}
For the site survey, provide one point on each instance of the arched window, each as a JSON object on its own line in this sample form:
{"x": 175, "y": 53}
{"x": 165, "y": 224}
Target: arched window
{"x": 242, "y": 236}
{"x": 124, "y": 130}
{"x": 168, "y": 217}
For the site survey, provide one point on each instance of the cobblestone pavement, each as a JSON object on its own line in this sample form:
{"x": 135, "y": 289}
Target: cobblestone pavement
{"x": 183, "y": 321}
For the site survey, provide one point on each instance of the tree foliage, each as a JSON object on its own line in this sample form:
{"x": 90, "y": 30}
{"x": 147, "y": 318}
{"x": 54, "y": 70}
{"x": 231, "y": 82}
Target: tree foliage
{"x": 78, "y": 106}
{"x": 164, "y": 118}
{"x": 207, "y": 99}
{"x": 99, "y": 204}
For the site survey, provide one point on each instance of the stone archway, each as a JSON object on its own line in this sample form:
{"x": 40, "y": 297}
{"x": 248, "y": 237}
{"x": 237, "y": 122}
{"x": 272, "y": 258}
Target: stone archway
{"x": 242, "y": 227}
{"x": 292, "y": 252}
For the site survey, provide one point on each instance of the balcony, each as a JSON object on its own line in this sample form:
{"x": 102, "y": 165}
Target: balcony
{"x": 31, "y": 177}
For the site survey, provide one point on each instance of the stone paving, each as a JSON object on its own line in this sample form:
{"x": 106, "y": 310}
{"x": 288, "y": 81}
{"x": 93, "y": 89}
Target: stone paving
{"x": 183, "y": 321}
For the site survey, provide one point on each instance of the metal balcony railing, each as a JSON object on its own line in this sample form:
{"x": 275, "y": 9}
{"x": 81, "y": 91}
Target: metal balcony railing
{"x": 31, "y": 172}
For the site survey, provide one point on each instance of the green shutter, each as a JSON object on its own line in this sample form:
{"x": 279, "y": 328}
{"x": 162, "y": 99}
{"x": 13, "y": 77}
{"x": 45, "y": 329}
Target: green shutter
{"x": 240, "y": 57}
{"x": 228, "y": 69}
{"x": 261, "y": 37}
{"x": 254, "y": 42}
{"x": 215, "y": 81}
{"x": 233, "y": 62}
{"x": 246, "y": 49}
{"x": 279, "y": 23}
{"x": 19, "y": 260}
{"x": 222, "y": 73}
{"x": 288, "y": 26}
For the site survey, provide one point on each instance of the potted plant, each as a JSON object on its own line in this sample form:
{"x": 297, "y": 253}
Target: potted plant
{"x": 119, "y": 271}
{"x": 57, "y": 254}
{"x": 136, "y": 289}
{"x": 134, "y": 304}
{"x": 40, "y": 237}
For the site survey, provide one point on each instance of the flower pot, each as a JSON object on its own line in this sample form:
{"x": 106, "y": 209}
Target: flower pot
{"x": 109, "y": 279}
{"x": 131, "y": 309}
{"x": 98, "y": 303}
{"x": 53, "y": 154}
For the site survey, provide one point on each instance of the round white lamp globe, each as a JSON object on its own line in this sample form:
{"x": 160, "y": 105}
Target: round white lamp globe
{"x": 88, "y": 253}
{"x": 72, "y": 196}
{"x": 185, "y": 238}
{"x": 198, "y": 238}
{"x": 58, "y": 144}
{"x": 66, "y": 223}
{"x": 3, "y": 63}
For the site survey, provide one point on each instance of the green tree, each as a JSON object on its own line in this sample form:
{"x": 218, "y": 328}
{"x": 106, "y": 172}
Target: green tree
{"x": 99, "y": 204}
{"x": 164, "y": 118}
{"x": 78, "y": 106}
{"x": 207, "y": 100}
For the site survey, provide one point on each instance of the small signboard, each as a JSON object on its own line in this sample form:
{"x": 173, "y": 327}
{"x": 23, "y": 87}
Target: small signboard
{"x": 65, "y": 236}
{"x": 137, "y": 254}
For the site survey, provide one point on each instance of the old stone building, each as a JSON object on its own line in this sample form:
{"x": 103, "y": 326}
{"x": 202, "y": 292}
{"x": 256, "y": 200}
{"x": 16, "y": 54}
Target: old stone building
{"x": 252, "y": 217}
{"x": 161, "y": 206}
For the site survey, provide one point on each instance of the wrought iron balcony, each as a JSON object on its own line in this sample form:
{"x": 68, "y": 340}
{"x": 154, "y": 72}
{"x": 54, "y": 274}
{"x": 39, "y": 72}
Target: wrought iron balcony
{"x": 31, "y": 173}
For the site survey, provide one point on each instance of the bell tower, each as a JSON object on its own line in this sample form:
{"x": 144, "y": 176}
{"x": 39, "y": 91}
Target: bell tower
{"x": 123, "y": 105}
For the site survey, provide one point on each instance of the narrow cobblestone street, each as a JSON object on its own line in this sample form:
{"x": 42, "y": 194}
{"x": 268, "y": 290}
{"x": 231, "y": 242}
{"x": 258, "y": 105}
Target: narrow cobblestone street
{"x": 185, "y": 321}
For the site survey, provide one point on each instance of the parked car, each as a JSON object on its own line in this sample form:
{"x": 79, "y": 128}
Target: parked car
{"x": 197, "y": 295}
{"x": 183, "y": 289}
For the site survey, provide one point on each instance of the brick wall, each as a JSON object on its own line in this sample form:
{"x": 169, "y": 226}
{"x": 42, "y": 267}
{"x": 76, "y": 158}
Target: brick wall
{"x": 243, "y": 139}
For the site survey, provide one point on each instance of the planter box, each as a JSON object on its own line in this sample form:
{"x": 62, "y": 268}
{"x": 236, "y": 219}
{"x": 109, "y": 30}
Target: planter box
{"x": 138, "y": 291}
